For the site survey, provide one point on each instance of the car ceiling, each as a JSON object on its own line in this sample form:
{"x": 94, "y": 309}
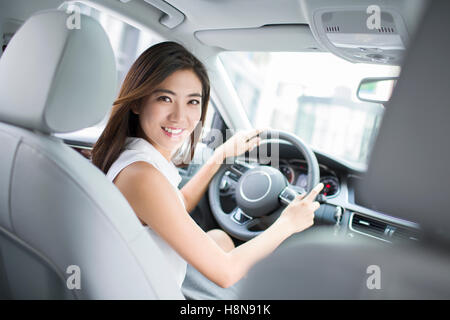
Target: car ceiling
{"x": 263, "y": 25}
{"x": 230, "y": 14}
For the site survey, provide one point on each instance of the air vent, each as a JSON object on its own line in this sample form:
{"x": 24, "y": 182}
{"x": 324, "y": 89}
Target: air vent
{"x": 368, "y": 226}
{"x": 403, "y": 234}
{"x": 333, "y": 29}
{"x": 383, "y": 230}
{"x": 386, "y": 30}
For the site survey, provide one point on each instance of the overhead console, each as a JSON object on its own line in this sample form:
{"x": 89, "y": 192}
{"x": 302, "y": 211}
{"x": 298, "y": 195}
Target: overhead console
{"x": 364, "y": 31}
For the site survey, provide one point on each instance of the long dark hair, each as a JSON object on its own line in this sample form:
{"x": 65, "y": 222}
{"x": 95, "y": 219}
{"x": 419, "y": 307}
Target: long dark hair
{"x": 152, "y": 67}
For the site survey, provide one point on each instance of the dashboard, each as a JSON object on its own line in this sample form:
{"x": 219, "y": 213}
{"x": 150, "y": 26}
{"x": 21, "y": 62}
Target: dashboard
{"x": 296, "y": 173}
{"x": 356, "y": 218}
{"x": 341, "y": 206}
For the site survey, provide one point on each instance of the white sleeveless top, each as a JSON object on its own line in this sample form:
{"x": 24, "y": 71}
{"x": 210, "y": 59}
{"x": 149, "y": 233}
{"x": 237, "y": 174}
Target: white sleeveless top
{"x": 138, "y": 149}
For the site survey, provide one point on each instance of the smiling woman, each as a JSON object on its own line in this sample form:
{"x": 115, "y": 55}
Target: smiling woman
{"x": 150, "y": 74}
{"x": 161, "y": 104}
{"x": 165, "y": 120}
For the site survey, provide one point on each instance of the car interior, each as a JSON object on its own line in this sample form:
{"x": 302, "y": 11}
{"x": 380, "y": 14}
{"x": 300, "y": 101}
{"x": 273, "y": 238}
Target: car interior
{"x": 354, "y": 93}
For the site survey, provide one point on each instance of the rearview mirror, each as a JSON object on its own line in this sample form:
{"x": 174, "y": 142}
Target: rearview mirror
{"x": 378, "y": 90}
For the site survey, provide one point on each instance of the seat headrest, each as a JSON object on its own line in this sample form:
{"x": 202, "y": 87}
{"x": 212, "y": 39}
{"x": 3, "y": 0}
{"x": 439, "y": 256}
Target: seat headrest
{"x": 55, "y": 78}
{"x": 410, "y": 163}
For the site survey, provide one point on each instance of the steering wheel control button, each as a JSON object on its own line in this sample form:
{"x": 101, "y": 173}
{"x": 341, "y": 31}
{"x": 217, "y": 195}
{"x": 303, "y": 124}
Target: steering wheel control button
{"x": 240, "y": 167}
{"x": 232, "y": 175}
{"x": 224, "y": 185}
{"x": 244, "y": 165}
{"x": 287, "y": 195}
{"x": 240, "y": 217}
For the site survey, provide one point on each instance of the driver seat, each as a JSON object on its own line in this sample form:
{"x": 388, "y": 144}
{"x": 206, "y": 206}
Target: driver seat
{"x": 66, "y": 232}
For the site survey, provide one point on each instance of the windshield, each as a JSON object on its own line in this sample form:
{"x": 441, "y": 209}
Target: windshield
{"x": 311, "y": 94}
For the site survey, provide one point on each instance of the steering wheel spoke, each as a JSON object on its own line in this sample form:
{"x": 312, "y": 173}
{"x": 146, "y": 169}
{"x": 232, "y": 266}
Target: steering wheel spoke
{"x": 289, "y": 193}
{"x": 298, "y": 189}
{"x": 238, "y": 216}
{"x": 234, "y": 173}
{"x": 239, "y": 167}
{"x": 243, "y": 222}
{"x": 244, "y": 164}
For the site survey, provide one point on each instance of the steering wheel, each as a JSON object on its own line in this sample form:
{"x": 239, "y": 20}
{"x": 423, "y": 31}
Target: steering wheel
{"x": 261, "y": 191}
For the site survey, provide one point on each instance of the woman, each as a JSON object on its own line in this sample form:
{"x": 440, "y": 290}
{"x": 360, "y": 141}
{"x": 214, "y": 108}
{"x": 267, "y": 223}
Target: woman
{"x": 161, "y": 104}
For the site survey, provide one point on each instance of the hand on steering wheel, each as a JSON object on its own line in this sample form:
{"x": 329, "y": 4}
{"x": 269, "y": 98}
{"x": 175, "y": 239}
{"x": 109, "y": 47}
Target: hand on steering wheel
{"x": 239, "y": 143}
{"x": 300, "y": 212}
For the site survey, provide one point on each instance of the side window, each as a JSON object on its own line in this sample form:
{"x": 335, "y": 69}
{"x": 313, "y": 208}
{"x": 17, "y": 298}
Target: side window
{"x": 7, "y": 30}
{"x": 208, "y": 121}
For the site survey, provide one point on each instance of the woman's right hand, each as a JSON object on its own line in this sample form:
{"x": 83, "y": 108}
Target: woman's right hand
{"x": 299, "y": 214}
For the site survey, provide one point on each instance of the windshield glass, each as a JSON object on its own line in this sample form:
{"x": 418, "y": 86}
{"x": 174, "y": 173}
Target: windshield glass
{"x": 311, "y": 94}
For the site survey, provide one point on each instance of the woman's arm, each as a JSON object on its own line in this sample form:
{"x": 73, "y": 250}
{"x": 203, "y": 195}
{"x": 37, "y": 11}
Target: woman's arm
{"x": 154, "y": 201}
{"x": 239, "y": 143}
{"x": 194, "y": 189}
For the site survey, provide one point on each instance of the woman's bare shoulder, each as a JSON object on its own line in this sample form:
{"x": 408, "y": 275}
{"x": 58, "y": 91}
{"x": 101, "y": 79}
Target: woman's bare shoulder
{"x": 146, "y": 189}
{"x": 136, "y": 172}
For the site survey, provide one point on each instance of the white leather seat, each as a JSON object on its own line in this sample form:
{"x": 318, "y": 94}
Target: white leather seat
{"x": 56, "y": 208}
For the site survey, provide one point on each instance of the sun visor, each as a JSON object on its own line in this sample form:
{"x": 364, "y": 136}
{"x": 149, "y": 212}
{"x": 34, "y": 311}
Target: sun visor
{"x": 296, "y": 37}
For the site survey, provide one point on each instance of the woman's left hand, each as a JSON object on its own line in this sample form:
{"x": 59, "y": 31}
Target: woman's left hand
{"x": 239, "y": 143}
